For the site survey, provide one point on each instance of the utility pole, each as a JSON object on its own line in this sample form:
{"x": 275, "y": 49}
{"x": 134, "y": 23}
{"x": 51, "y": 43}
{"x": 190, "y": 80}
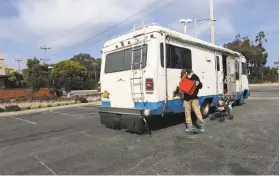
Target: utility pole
{"x": 45, "y": 48}
{"x": 212, "y": 22}
{"x": 18, "y": 60}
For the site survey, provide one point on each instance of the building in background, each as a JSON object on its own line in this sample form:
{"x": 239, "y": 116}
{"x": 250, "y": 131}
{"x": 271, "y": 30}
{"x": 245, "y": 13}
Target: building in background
{"x": 3, "y": 75}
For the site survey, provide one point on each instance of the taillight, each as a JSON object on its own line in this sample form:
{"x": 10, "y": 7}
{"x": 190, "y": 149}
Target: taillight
{"x": 99, "y": 87}
{"x": 149, "y": 84}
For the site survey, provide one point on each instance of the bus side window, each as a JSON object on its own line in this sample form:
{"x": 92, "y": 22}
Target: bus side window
{"x": 177, "y": 57}
{"x": 237, "y": 70}
{"x": 218, "y": 63}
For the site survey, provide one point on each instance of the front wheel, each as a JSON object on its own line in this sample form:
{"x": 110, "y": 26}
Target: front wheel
{"x": 205, "y": 109}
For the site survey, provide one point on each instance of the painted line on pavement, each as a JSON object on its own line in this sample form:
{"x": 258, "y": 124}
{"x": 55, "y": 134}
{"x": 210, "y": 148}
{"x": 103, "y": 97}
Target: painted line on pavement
{"x": 23, "y": 120}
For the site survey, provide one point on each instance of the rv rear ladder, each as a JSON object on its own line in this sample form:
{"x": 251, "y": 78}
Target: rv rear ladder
{"x": 137, "y": 86}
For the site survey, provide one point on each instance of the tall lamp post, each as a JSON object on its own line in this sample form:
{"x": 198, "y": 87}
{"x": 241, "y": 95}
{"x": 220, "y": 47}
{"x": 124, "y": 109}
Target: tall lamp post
{"x": 185, "y": 22}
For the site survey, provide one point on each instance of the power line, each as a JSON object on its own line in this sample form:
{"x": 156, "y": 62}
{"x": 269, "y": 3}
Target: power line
{"x": 78, "y": 26}
{"x": 115, "y": 25}
{"x": 81, "y": 24}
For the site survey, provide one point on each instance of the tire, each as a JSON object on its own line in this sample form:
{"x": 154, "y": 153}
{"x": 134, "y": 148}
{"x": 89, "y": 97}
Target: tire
{"x": 222, "y": 119}
{"x": 213, "y": 117}
{"x": 205, "y": 109}
{"x": 240, "y": 102}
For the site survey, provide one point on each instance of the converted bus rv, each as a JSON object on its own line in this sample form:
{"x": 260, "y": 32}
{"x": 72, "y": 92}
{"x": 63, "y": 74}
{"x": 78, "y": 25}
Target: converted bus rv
{"x": 140, "y": 71}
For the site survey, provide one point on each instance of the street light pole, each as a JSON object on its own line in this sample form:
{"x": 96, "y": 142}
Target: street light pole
{"x": 184, "y": 21}
{"x": 212, "y": 22}
{"x": 195, "y": 28}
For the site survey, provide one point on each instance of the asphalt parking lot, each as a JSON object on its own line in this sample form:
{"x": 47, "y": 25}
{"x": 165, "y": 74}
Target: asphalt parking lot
{"x": 72, "y": 141}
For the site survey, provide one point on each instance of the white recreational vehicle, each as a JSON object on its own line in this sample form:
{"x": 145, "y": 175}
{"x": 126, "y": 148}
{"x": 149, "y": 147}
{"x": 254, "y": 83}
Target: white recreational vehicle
{"x": 140, "y": 71}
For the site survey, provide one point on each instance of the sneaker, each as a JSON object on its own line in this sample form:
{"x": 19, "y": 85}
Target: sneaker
{"x": 202, "y": 128}
{"x": 189, "y": 128}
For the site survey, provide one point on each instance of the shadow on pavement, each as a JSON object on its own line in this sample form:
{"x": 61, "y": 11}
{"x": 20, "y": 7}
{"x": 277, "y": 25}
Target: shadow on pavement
{"x": 157, "y": 123}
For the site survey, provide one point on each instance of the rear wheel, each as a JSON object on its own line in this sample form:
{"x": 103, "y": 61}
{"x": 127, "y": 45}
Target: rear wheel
{"x": 240, "y": 102}
{"x": 205, "y": 108}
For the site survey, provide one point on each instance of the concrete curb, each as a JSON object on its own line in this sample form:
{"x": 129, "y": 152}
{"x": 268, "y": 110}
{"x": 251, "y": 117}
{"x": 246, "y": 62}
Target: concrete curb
{"x": 32, "y": 111}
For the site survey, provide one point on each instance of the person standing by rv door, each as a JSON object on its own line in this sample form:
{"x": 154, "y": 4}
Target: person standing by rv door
{"x": 191, "y": 101}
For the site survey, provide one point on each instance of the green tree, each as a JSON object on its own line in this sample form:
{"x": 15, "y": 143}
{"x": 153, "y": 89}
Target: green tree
{"x": 67, "y": 72}
{"x": 254, "y": 51}
{"x": 93, "y": 68}
{"x": 97, "y": 68}
{"x": 14, "y": 78}
{"x": 36, "y": 75}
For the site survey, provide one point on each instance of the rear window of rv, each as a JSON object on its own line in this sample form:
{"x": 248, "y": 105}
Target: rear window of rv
{"x": 121, "y": 60}
{"x": 177, "y": 57}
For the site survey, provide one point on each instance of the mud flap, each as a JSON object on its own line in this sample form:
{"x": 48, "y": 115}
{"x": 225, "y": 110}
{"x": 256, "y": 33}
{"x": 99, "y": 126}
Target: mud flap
{"x": 129, "y": 119}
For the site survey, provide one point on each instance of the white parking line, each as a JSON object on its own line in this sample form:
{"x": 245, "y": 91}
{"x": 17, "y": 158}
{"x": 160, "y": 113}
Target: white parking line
{"x": 90, "y": 108}
{"x": 45, "y": 165}
{"x": 61, "y": 113}
{"x": 23, "y": 120}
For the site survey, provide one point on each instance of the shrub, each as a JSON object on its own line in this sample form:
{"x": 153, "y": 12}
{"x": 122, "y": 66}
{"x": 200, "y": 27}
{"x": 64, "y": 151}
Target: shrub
{"x": 11, "y": 108}
{"x": 58, "y": 92}
{"x": 2, "y": 110}
{"x": 44, "y": 105}
{"x": 83, "y": 100}
{"x": 34, "y": 106}
{"x": 77, "y": 98}
{"x": 25, "y": 108}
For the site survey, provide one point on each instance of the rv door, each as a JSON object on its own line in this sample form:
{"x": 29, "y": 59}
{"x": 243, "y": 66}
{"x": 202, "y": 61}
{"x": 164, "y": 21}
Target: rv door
{"x": 231, "y": 75}
{"x": 219, "y": 74}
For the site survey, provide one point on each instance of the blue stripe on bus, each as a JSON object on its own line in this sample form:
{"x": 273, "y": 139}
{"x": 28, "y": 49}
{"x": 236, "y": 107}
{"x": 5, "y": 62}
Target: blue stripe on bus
{"x": 175, "y": 106}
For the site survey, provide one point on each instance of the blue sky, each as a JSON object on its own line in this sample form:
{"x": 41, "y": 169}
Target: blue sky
{"x": 64, "y": 25}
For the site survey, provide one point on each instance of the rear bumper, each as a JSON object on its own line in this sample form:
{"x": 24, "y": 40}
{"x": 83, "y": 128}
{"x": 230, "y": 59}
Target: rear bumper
{"x": 121, "y": 118}
{"x": 119, "y": 111}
